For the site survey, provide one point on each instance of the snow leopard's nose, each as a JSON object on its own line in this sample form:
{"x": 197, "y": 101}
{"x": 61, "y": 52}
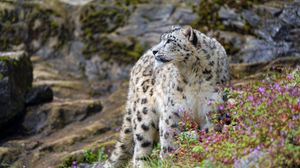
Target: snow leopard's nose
{"x": 154, "y": 52}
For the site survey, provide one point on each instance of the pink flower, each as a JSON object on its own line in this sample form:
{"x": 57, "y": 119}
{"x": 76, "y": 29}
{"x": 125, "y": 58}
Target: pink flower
{"x": 289, "y": 76}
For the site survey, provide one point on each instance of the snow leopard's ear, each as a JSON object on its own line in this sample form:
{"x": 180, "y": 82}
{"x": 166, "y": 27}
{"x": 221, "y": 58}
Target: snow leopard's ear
{"x": 189, "y": 33}
{"x": 175, "y": 27}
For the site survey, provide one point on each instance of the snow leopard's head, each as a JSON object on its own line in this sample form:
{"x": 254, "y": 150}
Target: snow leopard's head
{"x": 177, "y": 45}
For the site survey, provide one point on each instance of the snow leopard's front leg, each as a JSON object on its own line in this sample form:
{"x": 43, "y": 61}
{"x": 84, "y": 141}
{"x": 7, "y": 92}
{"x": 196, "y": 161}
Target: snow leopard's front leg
{"x": 168, "y": 129}
{"x": 145, "y": 131}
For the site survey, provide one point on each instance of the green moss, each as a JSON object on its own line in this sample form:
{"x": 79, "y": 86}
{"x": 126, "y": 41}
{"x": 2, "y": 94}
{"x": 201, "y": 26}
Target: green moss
{"x": 137, "y": 51}
{"x": 135, "y": 2}
{"x": 4, "y": 58}
{"x": 102, "y": 19}
{"x": 1, "y": 76}
{"x": 28, "y": 13}
{"x": 115, "y": 50}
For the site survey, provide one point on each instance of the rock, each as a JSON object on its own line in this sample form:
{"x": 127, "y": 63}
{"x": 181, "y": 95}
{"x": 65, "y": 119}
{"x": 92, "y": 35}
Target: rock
{"x": 33, "y": 26}
{"x": 76, "y": 2}
{"x": 291, "y": 14}
{"x": 56, "y": 115}
{"x": 8, "y": 156}
{"x": 228, "y": 14}
{"x": 230, "y": 18}
{"x": 254, "y": 159}
{"x": 94, "y": 165}
{"x": 15, "y": 80}
{"x": 251, "y": 17}
{"x": 38, "y": 95}
{"x": 277, "y": 32}
{"x": 149, "y": 21}
{"x": 259, "y": 51}
{"x": 97, "y": 69}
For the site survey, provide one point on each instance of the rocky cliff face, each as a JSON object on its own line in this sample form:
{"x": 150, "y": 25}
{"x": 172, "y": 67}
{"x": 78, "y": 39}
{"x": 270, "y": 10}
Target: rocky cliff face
{"x": 84, "y": 49}
{"x": 15, "y": 82}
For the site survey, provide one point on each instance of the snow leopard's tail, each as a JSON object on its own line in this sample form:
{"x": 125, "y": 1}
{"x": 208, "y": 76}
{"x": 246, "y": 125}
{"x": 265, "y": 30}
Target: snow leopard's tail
{"x": 124, "y": 147}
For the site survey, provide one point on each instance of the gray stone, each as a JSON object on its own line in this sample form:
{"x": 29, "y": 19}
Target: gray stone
{"x": 149, "y": 21}
{"x": 259, "y": 51}
{"x": 251, "y": 17}
{"x": 15, "y": 80}
{"x": 228, "y": 14}
{"x": 254, "y": 159}
{"x": 291, "y": 14}
{"x": 230, "y": 18}
{"x": 39, "y": 95}
{"x": 277, "y": 34}
{"x": 94, "y": 165}
{"x": 56, "y": 115}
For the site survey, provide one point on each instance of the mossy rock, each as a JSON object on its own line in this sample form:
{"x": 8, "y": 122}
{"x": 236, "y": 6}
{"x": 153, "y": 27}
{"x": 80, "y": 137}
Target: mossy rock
{"x": 97, "y": 18}
{"x": 208, "y": 18}
{"x": 15, "y": 80}
{"x": 123, "y": 52}
{"x": 18, "y": 24}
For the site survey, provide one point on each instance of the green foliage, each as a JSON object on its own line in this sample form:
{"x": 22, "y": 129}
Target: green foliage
{"x": 4, "y": 58}
{"x": 88, "y": 156}
{"x": 102, "y": 155}
{"x": 198, "y": 149}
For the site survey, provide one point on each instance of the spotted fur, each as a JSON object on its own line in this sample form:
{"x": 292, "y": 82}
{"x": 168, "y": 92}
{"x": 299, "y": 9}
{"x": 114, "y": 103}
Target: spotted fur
{"x": 178, "y": 74}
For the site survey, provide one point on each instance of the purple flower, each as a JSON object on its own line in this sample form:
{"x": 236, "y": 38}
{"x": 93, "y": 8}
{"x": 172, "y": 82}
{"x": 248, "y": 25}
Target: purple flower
{"x": 74, "y": 165}
{"x": 250, "y": 98}
{"x": 277, "y": 86}
{"x": 261, "y": 90}
{"x": 286, "y": 87}
{"x": 117, "y": 129}
{"x": 221, "y": 107}
{"x": 269, "y": 101}
{"x": 290, "y": 125}
{"x": 282, "y": 133}
{"x": 289, "y": 76}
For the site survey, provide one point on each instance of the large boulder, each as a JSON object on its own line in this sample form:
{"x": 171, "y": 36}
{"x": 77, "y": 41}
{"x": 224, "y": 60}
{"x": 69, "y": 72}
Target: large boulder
{"x": 15, "y": 80}
{"x": 56, "y": 115}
